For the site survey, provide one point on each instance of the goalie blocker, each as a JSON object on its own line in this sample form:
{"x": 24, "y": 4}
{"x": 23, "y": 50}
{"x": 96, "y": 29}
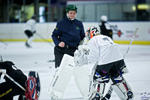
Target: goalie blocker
{"x": 14, "y": 82}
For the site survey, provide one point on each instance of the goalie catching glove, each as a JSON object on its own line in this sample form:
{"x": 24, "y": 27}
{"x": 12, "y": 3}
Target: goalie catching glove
{"x": 81, "y": 55}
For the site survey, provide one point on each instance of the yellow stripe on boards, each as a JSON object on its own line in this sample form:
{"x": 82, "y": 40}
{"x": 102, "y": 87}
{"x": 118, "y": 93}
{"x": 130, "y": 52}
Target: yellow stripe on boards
{"x": 50, "y": 40}
{"x": 134, "y": 42}
{"x": 23, "y": 40}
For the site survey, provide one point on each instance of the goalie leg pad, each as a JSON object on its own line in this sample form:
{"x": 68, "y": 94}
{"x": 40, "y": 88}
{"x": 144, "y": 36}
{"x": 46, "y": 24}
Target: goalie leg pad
{"x": 122, "y": 89}
{"x": 97, "y": 91}
{"x": 99, "y": 85}
{"x": 83, "y": 76}
{"x": 62, "y": 77}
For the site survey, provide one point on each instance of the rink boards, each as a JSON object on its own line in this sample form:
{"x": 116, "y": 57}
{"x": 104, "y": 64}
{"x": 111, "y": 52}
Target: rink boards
{"x": 15, "y": 31}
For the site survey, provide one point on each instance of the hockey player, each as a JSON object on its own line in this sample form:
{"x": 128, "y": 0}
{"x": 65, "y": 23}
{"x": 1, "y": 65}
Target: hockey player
{"x": 30, "y": 31}
{"x": 105, "y": 27}
{"x": 14, "y": 82}
{"x": 102, "y": 50}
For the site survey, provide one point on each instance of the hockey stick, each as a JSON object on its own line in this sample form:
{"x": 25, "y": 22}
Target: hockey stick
{"x": 40, "y": 36}
{"x": 132, "y": 39}
{"x": 13, "y": 80}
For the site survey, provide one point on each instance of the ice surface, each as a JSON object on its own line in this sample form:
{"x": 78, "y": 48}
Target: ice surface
{"x": 37, "y": 57}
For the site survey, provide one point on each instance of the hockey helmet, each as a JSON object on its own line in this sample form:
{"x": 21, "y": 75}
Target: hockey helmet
{"x": 91, "y": 32}
{"x": 71, "y": 7}
{"x": 104, "y": 18}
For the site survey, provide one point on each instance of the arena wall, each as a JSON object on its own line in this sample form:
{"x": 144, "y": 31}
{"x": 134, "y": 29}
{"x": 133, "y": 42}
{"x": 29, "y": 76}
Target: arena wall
{"x": 137, "y": 31}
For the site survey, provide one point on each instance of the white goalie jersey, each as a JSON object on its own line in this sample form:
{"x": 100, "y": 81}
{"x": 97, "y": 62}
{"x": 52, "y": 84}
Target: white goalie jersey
{"x": 99, "y": 49}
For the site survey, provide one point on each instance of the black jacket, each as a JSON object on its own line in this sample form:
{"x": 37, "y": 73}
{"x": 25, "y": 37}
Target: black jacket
{"x": 69, "y": 31}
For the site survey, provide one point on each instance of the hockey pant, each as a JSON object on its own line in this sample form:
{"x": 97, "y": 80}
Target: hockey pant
{"x": 30, "y": 36}
{"x": 28, "y": 33}
{"x": 59, "y": 53}
{"x": 119, "y": 84}
{"x": 65, "y": 73}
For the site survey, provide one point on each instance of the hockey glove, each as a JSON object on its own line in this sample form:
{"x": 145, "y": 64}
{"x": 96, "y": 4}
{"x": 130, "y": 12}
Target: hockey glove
{"x": 81, "y": 55}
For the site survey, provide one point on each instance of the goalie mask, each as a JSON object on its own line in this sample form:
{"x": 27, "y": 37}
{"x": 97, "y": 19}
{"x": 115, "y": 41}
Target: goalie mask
{"x": 91, "y": 32}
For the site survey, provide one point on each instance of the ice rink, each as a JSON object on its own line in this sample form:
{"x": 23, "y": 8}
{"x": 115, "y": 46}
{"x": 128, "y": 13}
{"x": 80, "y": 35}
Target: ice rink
{"x": 37, "y": 57}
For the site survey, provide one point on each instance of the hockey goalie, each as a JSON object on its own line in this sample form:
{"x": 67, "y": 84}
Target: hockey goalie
{"x": 110, "y": 66}
{"x": 94, "y": 65}
{"x": 14, "y": 82}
